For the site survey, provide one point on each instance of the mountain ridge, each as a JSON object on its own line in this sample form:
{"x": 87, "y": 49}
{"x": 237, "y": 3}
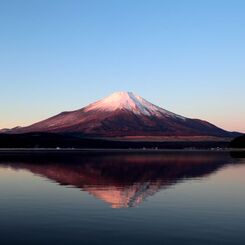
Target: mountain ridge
{"x": 124, "y": 114}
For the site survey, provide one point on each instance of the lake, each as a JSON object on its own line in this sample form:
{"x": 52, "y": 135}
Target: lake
{"x": 122, "y": 198}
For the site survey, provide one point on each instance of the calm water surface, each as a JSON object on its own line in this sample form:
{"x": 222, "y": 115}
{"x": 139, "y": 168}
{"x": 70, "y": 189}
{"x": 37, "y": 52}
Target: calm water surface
{"x": 168, "y": 198}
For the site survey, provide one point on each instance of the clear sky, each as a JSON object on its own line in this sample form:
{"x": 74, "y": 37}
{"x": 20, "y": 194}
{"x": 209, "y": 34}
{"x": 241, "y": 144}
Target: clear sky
{"x": 186, "y": 56}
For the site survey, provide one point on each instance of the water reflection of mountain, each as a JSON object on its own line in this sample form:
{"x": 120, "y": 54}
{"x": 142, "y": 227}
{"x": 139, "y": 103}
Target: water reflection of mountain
{"x": 122, "y": 180}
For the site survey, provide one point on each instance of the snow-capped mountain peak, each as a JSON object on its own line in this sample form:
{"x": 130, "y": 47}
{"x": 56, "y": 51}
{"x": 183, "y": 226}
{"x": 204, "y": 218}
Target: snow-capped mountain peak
{"x": 123, "y": 114}
{"x": 128, "y": 101}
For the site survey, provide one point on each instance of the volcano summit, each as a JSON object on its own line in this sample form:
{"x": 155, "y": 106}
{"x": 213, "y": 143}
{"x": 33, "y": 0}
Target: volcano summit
{"x": 124, "y": 114}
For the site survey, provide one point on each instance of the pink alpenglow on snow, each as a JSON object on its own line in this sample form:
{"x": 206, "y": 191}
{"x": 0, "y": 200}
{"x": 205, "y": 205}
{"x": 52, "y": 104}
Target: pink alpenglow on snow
{"x": 124, "y": 114}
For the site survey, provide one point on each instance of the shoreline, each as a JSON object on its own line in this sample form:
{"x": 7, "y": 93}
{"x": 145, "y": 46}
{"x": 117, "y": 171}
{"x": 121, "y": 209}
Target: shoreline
{"x": 108, "y": 150}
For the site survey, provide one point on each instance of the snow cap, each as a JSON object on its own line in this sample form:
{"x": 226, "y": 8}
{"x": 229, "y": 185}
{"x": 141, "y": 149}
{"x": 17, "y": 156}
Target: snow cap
{"x": 128, "y": 101}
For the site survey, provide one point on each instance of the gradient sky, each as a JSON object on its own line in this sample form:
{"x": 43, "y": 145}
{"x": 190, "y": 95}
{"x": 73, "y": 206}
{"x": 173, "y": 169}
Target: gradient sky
{"x": 185, "y": 56}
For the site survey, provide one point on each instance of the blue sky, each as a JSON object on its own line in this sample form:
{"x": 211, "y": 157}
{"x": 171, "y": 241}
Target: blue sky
{"x": 186, "y": 56}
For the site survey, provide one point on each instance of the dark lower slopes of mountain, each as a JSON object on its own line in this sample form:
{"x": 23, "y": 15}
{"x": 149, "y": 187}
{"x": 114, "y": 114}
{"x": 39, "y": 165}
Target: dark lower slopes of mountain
{"x": 52, "y": 140}
{"x": 124, "y": 114}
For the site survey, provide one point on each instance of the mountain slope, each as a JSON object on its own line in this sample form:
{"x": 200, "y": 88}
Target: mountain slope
{"x": 124, "y": 114}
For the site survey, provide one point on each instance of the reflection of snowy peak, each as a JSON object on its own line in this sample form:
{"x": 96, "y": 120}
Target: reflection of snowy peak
{"x": 123, "y": 114}
{"x": 131, "y": 102}
{"x": 127, "y": 196}
{"x": 123, "y": 180}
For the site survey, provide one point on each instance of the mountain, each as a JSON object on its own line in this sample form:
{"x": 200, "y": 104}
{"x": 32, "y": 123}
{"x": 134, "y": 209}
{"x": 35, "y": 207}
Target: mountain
{"x": 124, "y": 114}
